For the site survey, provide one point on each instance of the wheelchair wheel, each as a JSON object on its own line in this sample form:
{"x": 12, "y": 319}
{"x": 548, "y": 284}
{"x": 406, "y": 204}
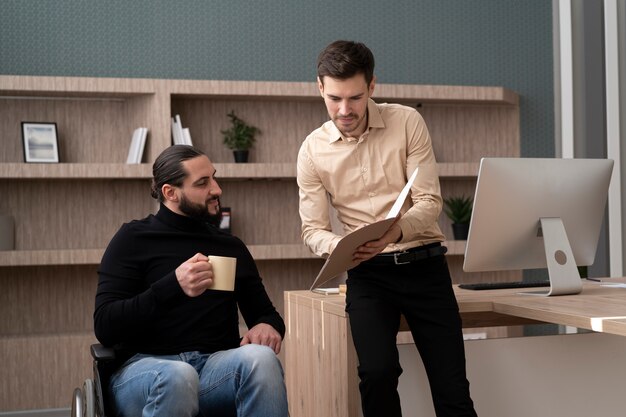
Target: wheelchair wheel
{"x": 89, "y": 399}
{"x": 78, "y": 406}
{"x": 84, "y": 401}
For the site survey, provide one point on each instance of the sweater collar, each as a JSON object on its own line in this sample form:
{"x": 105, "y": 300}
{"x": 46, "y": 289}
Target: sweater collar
{"x": 178, "y": 221}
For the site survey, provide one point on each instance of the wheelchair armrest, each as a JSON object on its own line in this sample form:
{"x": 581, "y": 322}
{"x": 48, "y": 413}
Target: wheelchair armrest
{"x": 102, "y": 353}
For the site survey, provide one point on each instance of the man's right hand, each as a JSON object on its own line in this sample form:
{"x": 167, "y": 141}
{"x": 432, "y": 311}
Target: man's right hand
{"x": 195, "y": 275}
{"x": 374, "y": 247}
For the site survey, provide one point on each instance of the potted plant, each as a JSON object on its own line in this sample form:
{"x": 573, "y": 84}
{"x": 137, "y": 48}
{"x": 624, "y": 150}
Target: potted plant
{"x": 239, "y": 137}
{"x": 459, "y": 210}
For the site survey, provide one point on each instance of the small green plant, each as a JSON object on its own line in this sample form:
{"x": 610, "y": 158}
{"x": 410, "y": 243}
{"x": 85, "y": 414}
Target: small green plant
{"x": 458, "y": 209}
{"x": 240, "y": 136}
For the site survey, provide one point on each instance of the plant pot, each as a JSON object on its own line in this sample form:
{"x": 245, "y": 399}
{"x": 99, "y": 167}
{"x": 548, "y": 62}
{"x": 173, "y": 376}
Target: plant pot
{"x": 241, "y": 156}
{"x": 460, "y": 231}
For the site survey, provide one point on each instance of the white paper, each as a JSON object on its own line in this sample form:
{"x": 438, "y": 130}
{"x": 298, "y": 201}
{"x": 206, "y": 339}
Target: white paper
{"x": 397, "y": 206}
{"x": 614, "y": 285}
{"x": 326, "y": 291}
{"x": 136, "y": 149}
{"x": 187, "y": 137}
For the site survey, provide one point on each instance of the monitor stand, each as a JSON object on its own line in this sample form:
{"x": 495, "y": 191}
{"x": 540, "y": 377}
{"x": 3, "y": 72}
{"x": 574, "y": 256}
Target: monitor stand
{"x": 562, "y": 270}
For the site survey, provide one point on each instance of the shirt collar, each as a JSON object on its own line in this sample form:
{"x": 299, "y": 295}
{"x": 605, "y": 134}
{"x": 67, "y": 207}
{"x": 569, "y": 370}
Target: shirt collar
{"x": 374, "y": 120}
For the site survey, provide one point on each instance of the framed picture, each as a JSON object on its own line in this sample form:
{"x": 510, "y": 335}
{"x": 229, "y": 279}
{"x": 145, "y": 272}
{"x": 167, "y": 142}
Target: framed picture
{"x": 40, "y": 142}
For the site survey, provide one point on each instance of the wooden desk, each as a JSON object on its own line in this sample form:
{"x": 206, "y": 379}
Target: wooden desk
{"x": 320, "y": 358}
{"x": 598, "y": 308}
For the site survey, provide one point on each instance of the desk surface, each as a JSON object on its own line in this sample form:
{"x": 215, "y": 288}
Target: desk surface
{"x": 322, "y": 363}
{"x": 598, "y": 307}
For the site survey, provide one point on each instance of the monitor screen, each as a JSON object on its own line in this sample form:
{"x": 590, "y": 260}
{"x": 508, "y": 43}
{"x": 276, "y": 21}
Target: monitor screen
{"x": 537, "y": 213}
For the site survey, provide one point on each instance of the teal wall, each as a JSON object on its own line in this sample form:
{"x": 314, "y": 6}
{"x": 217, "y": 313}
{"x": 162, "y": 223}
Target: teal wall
{"x": 456, "y": 42}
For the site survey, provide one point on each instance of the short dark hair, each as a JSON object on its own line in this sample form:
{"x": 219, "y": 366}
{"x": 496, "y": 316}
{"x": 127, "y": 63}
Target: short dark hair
{"x": 168, "y": 168}
{"x": 345, "y": 59}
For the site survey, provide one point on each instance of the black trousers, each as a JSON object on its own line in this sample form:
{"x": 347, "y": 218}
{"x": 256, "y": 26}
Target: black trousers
{"x": 422, "y": 291}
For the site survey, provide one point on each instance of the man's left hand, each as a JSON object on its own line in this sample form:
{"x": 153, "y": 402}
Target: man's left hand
{"x": 263, "y": 334}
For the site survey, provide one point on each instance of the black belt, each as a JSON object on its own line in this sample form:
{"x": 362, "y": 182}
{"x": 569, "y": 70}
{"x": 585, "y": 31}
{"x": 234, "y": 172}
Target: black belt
{"x": 410, "y": 255}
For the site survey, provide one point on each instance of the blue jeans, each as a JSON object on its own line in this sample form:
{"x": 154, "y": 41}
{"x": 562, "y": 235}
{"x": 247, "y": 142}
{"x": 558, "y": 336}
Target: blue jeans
{"x": 246, "y": 381}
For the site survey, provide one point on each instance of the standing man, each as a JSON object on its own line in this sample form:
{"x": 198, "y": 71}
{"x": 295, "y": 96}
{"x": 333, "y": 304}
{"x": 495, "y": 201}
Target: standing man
{"x": 359, "y": 162}
{"x": 179, "y": 340}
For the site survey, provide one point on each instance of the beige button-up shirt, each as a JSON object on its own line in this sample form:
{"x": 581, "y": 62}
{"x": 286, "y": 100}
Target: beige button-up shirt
{"x": 362, "y": 177}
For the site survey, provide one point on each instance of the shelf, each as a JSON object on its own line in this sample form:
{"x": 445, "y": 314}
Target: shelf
{"x": 248, "y": 90}
{"x": 446, "y": 94}
{"x": 18, "y": 170}
{"x": 51, "y": 257}
{"x": 16, "y": 85}
{"x": 257, "y": 90}
{"x": 94, "y": 256}
{"x": 74, "y": 87}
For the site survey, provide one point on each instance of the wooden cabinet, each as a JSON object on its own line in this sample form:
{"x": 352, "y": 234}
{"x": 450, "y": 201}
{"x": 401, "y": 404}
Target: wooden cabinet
{"x": 66, "y": 213}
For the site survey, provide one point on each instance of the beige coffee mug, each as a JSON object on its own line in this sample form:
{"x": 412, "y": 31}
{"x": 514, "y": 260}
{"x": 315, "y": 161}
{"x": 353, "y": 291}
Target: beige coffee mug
{"x": 223, "y": 273}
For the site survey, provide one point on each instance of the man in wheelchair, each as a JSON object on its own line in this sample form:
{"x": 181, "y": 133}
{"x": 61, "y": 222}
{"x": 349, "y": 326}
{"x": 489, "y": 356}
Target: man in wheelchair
{"x": 177, "y": 344}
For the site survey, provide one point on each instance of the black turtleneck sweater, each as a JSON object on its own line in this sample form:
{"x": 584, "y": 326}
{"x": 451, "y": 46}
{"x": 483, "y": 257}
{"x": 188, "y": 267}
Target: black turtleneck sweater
{"x": 140, "y": 307}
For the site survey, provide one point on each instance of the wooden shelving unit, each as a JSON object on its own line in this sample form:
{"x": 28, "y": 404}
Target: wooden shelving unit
{"x": 66, "y": 213}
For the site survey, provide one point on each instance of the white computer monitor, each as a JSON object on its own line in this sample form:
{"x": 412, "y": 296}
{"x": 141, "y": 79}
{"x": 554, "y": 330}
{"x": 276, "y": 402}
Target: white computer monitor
{"x": 538, "y": 213}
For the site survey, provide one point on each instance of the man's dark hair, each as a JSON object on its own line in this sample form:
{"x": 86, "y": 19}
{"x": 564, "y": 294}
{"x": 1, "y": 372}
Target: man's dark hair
{"x": 168, "y": 168}
{"x": 345, "y": 59}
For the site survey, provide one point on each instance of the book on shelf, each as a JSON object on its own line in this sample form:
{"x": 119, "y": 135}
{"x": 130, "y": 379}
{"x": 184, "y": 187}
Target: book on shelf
{"x": 187, "y": 137}
{"x": 180, "y": 135}
{"x": 176, "y": 136}
{"x": 137, "y": 145}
